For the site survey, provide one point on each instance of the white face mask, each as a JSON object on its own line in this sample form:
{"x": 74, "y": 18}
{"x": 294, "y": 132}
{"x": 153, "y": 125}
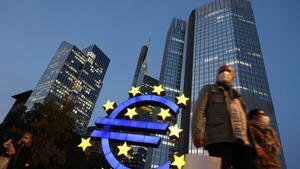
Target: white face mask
{"x": 265, "y": 120}
{"x": 225, "y": 76}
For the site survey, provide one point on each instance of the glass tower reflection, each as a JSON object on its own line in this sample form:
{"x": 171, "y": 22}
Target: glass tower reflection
{"x": 170, "y": 78}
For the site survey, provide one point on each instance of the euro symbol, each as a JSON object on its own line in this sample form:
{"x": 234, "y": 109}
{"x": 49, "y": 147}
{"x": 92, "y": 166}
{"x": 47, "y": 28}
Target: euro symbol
{"x": 153, "y": 141}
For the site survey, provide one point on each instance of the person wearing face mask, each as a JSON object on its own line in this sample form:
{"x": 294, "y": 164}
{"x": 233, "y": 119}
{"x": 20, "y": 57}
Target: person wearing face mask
{"x": 265, "y": 139}
{"x": 220, "y": 123}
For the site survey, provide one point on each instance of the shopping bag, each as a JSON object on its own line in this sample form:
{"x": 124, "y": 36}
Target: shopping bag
{"x": 4, "y": 161}
{"x": 198, "y": 161}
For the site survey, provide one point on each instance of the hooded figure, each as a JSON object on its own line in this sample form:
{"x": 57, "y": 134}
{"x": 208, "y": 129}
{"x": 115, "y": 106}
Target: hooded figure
{"x": 220, "y": 123}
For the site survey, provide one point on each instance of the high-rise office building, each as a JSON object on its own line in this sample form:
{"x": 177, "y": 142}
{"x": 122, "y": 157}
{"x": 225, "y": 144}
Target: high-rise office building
{"x": 75, "y": 75}
{"x": 170, "y": 74}
{"x": 141, "y": 78}
{"x": 170, "y": 78}
{"x": 141, "y": 67}
{"x": 224, "y": 32}
{"x": 142, "y": 154}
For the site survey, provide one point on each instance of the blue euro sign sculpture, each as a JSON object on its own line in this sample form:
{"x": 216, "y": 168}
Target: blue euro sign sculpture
{"x": 153, "y": 141}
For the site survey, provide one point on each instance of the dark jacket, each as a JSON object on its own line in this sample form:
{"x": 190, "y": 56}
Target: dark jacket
{"x": 267, "y": 140}
{"x": 22, "y": 158}
{"x": 211, "y": 118}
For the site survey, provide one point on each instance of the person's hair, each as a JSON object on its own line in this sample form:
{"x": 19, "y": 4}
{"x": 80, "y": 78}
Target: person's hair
{"x": 254, "y": 112}
{"x": 27, "y": 133}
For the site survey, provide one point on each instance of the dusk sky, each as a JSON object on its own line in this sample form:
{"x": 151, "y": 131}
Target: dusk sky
{"x": 31, "y": 31}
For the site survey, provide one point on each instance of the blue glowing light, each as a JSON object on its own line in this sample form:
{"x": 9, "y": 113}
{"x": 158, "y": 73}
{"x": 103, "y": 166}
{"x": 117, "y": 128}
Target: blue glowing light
{"x": 133, "y": 124}
{"x": 105, "y": 134}
{"x": 152, "y": 141}
{"x": 145, "y": 99}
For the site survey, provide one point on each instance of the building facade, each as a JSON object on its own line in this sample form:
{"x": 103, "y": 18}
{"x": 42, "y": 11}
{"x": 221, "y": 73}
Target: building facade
{"x": 170, "y": 78}
{"x": 141, "y": 154}
{"x": 224, "y": 32}
{"x": 19, "y": 104}
{"x": 74, "y": 75}
{"x": 141, "y": 78}
{"x": 141, "y": 67}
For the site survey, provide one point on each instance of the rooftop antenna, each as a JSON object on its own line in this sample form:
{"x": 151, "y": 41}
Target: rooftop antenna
{"x": 149, "y": 41}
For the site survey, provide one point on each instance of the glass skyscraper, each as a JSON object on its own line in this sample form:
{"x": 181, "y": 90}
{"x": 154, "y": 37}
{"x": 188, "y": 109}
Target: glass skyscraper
{"x": 170, "y": 78}
{"x": 74, "y": 75}
{"x": 142, "y": 154}
{"x": 141, "y": 67}
{"x": 141, "y": 78}
{"x": 224, "y": 32}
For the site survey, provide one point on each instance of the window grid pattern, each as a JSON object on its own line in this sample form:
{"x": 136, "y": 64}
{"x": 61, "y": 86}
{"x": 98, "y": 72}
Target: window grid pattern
{"x": 225, "y": 33}
{"x": 170, "y": 78}
{"x": 73, "y": 75}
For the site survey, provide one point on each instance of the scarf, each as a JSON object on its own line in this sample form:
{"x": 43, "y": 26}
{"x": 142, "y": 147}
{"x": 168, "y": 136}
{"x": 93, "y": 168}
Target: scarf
{"x": 235, "y": 107}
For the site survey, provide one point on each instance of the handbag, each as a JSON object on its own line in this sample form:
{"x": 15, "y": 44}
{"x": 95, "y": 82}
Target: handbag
{"x": 198, "y": 161}
{"x": 4, "y": 162}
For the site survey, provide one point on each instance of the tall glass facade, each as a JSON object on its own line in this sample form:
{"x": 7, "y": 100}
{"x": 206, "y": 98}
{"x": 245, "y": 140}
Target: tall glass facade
{"x": 75, "y": 75}
{"x": 141, "y": 67}
{"x": 142, "y": 154}
{"x": 141, "y": 79}
{"x": 170, "y": 78}
{"x": 224, "y": 32}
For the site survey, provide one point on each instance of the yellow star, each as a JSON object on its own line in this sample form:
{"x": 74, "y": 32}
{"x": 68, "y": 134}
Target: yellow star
{"x": 109, "y": 106}
{"x": 179, "y": 162}
{"x": 124, "y": 150}
{"x": 182, "y": 100}
{"x": 174, "y": 131}
{"x": 131, "y": 113}
{"x": 164, "y": 114}
{"x": 135, "y": 91}
{"x": 159, "y": 90}
{"x": 85, "y": 143}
